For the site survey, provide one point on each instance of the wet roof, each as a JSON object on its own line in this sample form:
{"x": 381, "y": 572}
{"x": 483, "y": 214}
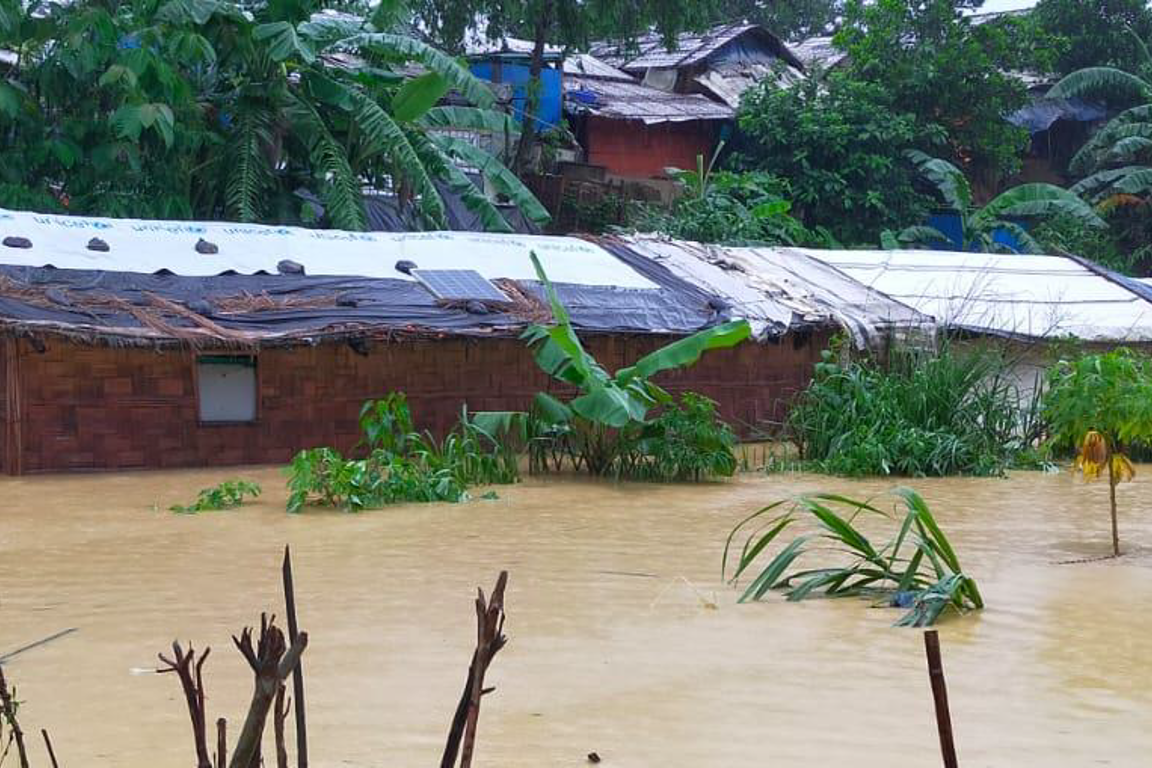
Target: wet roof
{"x": 818, "y": 51}
{"x": 631, "y": 100}
{"x": 590, "y": 66}
{"x": 780, "y": 288}
{"x": 147, "y": 246}
{"x": 1012, "y": 295}
{"x": 650, "y": 51}
{"x": 218, "y": 283}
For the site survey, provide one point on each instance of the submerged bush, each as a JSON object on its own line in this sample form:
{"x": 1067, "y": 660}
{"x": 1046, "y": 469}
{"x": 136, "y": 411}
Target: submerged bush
{"x": 228, "y": 495}
{"x": 401, "y": 465}
{"x": 923, "y": 413}
{"x": 918, "y": 569}
{"x": 687, "y": 441}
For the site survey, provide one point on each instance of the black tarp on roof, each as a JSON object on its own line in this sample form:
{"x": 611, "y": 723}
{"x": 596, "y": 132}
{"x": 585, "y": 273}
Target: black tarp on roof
{"x": 126, "y": 307}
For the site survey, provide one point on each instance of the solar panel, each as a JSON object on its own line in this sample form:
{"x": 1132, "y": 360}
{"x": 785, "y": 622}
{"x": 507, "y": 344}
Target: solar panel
{"x": 458, "y": 284}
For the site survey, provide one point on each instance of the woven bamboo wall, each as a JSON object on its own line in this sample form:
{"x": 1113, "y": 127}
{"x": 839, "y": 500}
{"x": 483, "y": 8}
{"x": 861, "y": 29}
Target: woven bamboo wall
{"x": 5, "y": 435}
{"x": 89, "y": 408}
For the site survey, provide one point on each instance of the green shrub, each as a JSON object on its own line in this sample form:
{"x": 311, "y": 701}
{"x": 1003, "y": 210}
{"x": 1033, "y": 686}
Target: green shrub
{"x": 401, "y": 465}
{"x": 923, "y": 414}
{"x": 927, "y": 581}
{"x": 731, "y": 208}
{"x": 1102, "y": 403}
{"x": 227, "y": 495}
{"x": 687, "y": 441}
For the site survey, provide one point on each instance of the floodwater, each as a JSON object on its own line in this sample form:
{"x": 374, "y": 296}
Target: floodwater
{"x": 623, "y": 640}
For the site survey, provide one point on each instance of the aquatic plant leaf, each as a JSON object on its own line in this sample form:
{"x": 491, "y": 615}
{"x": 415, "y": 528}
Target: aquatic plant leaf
{"x": 840, "y": 528}
{"x": 740, "y": 526}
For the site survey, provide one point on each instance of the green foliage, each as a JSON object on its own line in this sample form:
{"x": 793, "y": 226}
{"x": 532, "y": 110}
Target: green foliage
{"x": 227, "y": 495}
{"x": 1103, "y": 403}
{"x": 730, "y": 208}
{"x": 793, "y": 20}
{"x": 838, "y": 142}
{"x": 924, "y": 413}
{"x": 1115, "y": 164}
{"x": 1108, "y": 247}
{"x": 401, "y": 465}
{"x": 1094, "y": 33}
{"x": 980, "y": 224}
{"x": 933, "y": 63}
{"x": 602, "y": 426}
{"x": 219, "y": 111}
{"x": 686, "y": 441}
{"x": 917, "y": 569}
{"x": 1109, "y": 392}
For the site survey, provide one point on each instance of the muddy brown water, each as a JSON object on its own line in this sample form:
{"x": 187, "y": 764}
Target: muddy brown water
{"x": 614, "y": 647}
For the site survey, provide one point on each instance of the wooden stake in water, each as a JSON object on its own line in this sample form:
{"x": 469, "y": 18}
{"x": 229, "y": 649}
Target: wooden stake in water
{"x": 298, "y": 673}
{"x": 940, "y": 698}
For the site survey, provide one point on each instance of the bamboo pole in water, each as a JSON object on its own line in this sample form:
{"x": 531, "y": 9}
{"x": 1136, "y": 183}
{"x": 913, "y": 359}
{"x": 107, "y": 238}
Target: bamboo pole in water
{"x": 48, "y": 744}
{"x": 940, "y": 697}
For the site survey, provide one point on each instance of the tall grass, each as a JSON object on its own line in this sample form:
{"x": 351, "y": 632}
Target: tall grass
{"x": 921, "y": 413}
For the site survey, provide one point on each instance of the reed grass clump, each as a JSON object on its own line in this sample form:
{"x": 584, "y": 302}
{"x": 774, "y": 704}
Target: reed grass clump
{"x": 920, "y": 413}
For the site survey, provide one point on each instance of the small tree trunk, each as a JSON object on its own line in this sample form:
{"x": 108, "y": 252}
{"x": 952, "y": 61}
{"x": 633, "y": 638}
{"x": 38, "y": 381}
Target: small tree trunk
{"x": 1112, "y": 502}
{"x": 8, "y": 711}
{"x": 528, "y": 128}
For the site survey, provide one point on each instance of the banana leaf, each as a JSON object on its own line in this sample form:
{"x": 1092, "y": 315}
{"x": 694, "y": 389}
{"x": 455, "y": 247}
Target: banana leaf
{"x": 947, "y": 178}
{"x": 684, "y": 352}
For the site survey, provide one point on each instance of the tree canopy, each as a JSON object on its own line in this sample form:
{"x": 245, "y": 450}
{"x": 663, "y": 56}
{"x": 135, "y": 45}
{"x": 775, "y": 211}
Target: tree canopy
{"x": 206, "y": 109}
{"x": 1094, "y": 33}
{"x": 933, "y": 63}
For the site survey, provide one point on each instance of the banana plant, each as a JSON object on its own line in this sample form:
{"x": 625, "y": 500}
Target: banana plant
{"x": 1115, "y": 161}
{"x": 979, "y": 224}
{"x": 608, "y": 402}
{"x": 216, "y": 109}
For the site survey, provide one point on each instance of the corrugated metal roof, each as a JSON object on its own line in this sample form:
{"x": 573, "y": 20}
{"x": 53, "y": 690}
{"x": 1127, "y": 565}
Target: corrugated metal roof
{"x": 480, "y": 46}
{"x": 818, "y": 51}
{"x": 154, "y": 246}
{"x": 650, "y": 52}
{"x": 1034, "y": 297}
{"x": 590, "y": 66}
{"x": 630, "y": 100}
{"x": 728, "y": 83}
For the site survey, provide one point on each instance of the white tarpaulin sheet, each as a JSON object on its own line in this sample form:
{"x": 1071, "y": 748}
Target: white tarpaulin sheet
{"x": 773, "y": 287}
{"x": 1010, "y": 294}
{"x": 152, "y": 246}
{"x": 691, "y": 262}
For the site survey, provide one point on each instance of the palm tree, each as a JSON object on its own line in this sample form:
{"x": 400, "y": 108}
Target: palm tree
{"x": 206, "y": 108}
{"x": 979, "y": 225}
